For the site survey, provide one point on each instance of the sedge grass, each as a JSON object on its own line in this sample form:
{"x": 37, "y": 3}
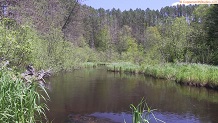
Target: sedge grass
{"x": 123, "y": 67}
{"x": 142, "y": 113}
{"x": 184, "y": 73}
{"x": 19, "y": 102}
{"x": 88, "y": 65}
{"x": 205, "y": 75}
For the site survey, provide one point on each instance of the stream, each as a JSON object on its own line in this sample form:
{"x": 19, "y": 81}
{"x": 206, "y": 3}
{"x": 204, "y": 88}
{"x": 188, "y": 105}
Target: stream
{"x": 98, "y": 96}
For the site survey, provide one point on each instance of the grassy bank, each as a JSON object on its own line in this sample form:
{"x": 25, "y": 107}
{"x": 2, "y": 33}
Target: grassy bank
{"x": 189, "y": 74}
{"x": 88, "y": 65}
{"x": 19, "y": 101}
{"x": 124, "y": 67}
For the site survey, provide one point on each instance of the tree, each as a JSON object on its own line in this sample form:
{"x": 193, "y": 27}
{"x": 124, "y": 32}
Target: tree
{"x": 102, "y": 39}
{"x": 71, "y": 8}
{"x": 154, "y": 45}
{"x": 124, "y": 35}
{"x": 178, "y": 44}
{"x": 212, "y": 32}
{"x": 128, "y": 48}
{"x": 199, "y": 35}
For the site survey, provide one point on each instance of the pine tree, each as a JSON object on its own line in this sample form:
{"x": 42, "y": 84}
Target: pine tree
{"x": 212, "y": 32}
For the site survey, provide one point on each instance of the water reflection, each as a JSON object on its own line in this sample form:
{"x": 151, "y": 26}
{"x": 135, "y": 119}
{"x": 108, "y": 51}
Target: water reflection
{"x": 103, "y": 94}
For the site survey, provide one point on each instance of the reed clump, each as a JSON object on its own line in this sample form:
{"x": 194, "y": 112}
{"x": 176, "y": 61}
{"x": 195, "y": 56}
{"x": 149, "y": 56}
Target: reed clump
{"x": 124, "y": 67}
{"x": 88, "y": 65}
{"x": 190, "y": 74}
{"x": 142, "y": 113}
{"x": 19, "y": 101}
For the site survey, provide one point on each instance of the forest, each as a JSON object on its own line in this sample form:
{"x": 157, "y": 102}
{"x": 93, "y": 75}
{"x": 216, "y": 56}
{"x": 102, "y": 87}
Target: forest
{"x": 60, "y": 34}
{"x": 63, "y": 34}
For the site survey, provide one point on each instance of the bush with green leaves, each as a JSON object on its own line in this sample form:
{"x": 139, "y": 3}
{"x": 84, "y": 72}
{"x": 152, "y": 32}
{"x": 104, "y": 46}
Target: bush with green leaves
{"x": 15, "y": 42}
{"x": 22, "y": 45}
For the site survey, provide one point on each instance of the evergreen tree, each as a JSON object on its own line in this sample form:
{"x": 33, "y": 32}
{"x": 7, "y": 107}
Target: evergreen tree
{"x": 212, "y": 32}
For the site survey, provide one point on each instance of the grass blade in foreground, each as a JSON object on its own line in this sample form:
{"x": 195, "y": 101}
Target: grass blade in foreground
{"x": 140, "y": 115}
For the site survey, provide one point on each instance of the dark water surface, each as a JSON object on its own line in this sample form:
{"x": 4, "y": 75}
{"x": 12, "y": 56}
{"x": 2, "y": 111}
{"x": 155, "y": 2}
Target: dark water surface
{"x": 97, "y": 94}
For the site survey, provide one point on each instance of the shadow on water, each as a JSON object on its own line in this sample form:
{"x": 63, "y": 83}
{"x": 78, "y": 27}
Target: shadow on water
{"x": 95, "y": 95}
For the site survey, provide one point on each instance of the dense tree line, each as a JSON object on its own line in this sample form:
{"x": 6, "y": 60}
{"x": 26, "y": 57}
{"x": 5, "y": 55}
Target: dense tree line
{"x": 67, "y": 29}
{"x": 172, "y": 34}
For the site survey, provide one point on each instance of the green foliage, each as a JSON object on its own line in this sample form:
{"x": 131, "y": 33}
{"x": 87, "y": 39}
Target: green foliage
{"x": 123, "y": 37}
{"x": 64, "y": 56}
{"x": 19, "y": 101}
{"x": 103, "y": 39}
{"x": 109, "y": 55}
{"x": 142, "y": 113}
{"x": 199, "y": 35}
{"x": 178, "y": 44}
{"x": 22, "y": 45}
{"x": 59, "y": 32}
{"x": 212, "y": 32}
{"x": 185, "y": 73}
{"x": 137, "y": 112}
{"x": 205, "y": 26}
{"x": 15, "y": 43}
{"x": 154, "y": 46}
{"x": 89, "y": 65}
{"x": 200, "y": 13}
{"x": 197, "y": 74}
{"x": 124, "y": 67}
{"x": 138, "y": 36}
{"x": 133, "y": 53}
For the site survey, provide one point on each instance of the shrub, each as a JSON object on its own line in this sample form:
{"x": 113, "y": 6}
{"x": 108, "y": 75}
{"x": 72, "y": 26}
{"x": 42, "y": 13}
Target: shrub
{"x": 19, "y": 102}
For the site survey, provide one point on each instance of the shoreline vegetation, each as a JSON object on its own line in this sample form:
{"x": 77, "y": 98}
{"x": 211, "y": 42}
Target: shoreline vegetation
{"x": 198, "y": 75}
{"x": 142, "y": 113}
{"x": 71, "y": 36}
{"x": 20, "y": 101}
{"x": 190, "y": 74}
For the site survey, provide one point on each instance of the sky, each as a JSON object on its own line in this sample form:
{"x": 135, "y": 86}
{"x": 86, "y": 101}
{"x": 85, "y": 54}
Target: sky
{"x": 127, "y": 4}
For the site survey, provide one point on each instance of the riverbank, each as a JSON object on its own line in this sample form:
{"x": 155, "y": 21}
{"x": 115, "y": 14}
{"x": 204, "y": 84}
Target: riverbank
{"x": 124, "y": 67}
{"x": 199, "y": 75}
{"x": 19, "y": 100}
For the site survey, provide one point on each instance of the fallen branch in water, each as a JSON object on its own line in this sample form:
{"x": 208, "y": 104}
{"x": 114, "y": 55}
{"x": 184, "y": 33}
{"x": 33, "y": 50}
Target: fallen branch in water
{"x": 31, "y": 75}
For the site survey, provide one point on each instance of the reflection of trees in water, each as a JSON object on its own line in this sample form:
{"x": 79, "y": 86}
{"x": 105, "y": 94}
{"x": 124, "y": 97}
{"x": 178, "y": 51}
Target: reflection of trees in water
{"x": 89, "y": 91}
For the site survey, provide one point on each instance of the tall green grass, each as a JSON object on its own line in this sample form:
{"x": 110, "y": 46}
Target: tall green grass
{"x": 184, "y": 73}
{"x": 19, "y": 101}
{"x": 88, "y": 65}
{"x": 142, "y": 113}
{"x": 195, "y": 74}
{"x": 124, "y": 67}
